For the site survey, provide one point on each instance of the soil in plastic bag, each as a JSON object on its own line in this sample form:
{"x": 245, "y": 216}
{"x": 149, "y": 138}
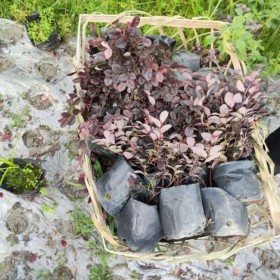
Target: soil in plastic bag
{"x": 52, "y": 42}
{"x": 187, "y": 59}
{"x": 181, "y": 211}
{"x": 238, "y": 178}
{"x": 139, "y": 226}
{"x": 164, "y": 40}
{"x": 114, "y": 187}
{"x": 226, "y": 215}
{"x": 101, "y": 151}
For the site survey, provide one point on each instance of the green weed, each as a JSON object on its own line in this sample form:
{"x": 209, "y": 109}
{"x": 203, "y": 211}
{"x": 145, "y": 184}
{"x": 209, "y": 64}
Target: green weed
{"x": 98, "y": 169}
{"x": 83, "y": 224}
{"x": 85, "y": 228}
{"x": 49, "y": 209}
{"x": 42, "y": 274}
{"x": 100, "y": 272}
{"x": 19, "y": 120}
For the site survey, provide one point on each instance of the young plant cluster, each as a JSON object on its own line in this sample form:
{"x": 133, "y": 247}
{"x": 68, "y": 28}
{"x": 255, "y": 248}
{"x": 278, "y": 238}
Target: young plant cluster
{"x": 21, "y": 179}
{"x": 135, "y": 103}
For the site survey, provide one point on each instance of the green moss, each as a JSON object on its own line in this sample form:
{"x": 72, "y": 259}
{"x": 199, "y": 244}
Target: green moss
{"x": 39, "y": 31}
{"x": 21, "y": 179}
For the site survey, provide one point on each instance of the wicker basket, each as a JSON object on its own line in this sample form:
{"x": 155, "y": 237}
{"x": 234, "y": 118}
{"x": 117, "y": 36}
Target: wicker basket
{"x": 264, "y": 216}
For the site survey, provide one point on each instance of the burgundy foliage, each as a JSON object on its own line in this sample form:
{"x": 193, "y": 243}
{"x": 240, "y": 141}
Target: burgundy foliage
{"x": 134, "y": 105}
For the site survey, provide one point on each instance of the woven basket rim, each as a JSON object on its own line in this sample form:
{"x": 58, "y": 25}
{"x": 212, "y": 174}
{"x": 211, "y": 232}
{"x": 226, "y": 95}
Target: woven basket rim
{"x": 259, "y": 133}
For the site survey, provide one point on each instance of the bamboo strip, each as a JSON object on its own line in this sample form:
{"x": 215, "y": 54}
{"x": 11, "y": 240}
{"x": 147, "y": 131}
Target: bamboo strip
{"x": 156, "y": 20}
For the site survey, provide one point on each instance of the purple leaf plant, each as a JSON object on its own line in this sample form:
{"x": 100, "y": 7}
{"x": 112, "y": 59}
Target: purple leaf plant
{"x": 133, "y": 104}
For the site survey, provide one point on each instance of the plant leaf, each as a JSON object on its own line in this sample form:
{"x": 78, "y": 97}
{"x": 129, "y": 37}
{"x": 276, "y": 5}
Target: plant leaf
{"x": 153, "y": 136}
{"x": 183, "y": 148}
{"x": 147, "y": 42}
{"x": 121, "y": 43}
{"x": 108, "y": 81}
{"x": 152, "y": 100}
{"x": 190, "y": 141}
{"x": 240, "y": 86}
{"x": 215, "y": 149}
{"x": 237, "y": 98}
{"x": 155, "y": 121}
{"x": 214, "y": 119}
{"x": 147, "y": 73}
{"x": 217, "y": 132}
{"x": 199, "y": 151}
{"x": 209, "y": 40}
{"x": 165, "y": 128}
{"x": 224, "y": 109}
{"x": 229, "y": 99}
{"x": 214, "y": 156}
{"x": 159, "y": 77}
{"x": 121, "y": 87}
{"x": 135, "y": 22}
{"x": 163, "y": 116}
{"x": 128, "y": 155}
{"x": 242, "y": 110}
{"x": 108, "y": 53}
{"x": 206, "y": 136}
{"x": 206, "y": 111}
{"x": 107, "y": 134}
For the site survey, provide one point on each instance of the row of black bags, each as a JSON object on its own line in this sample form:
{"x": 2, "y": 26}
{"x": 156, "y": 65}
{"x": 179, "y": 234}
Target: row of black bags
{"x": 183, "y": 211}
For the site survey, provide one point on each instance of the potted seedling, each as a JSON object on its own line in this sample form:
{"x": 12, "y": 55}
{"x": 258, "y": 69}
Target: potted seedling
{"x": 114, "y": 187}
{"x": 181, "y": 211}
{"x": 172, "y": 131}
{"x": 226, "y": 215}
{"x": 42, "y": 30}
{"x": 21, "y": 176}
{"x": 139, "y": 226}
{"x": 238, "y": 178}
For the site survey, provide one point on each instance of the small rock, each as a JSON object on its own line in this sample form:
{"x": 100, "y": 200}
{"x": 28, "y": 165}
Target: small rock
{"x": 47, "y": 69}
{"x": 6, "y": 62}
{"x": 10, "y": 32}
